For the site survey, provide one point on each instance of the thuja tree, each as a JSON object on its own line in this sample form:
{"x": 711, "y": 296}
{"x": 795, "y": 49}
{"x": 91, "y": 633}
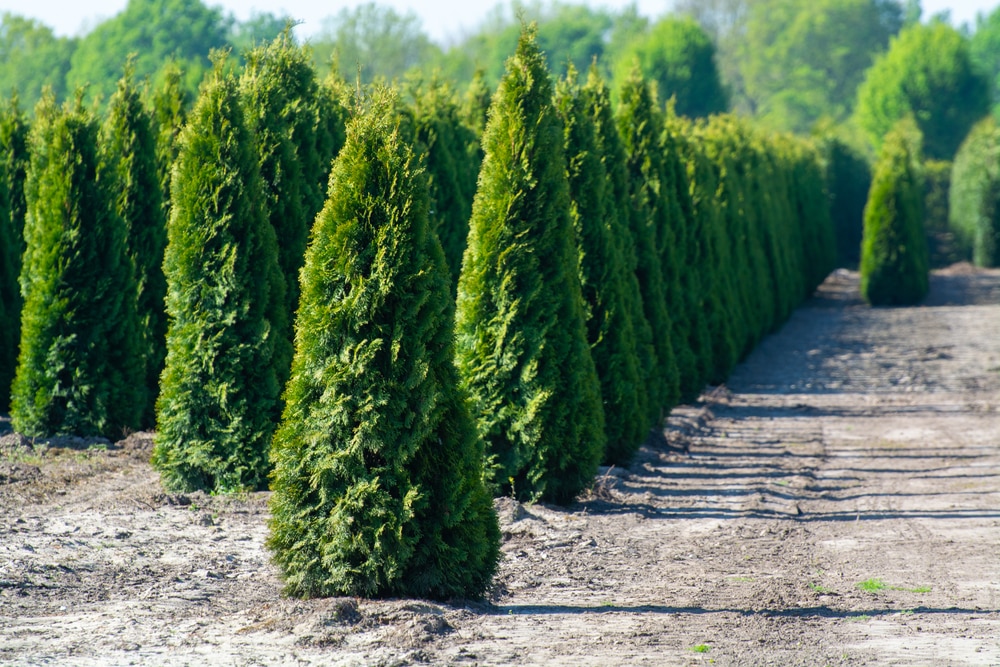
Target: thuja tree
{"x": 609, "y": 147}
{"x": 894, "y": 264}
{"x": 170, "y": 104}
{"x": 848, "y": 177}
{"x": 277, "y": 84}
{"x": 218, "y": 400}
{"x": 602, "y": 278}
{"x": 378, "y": 470}
{"x": 974, "y": 210}
{"x": 128, "y": 154}
{"x": 640, "y": 133}
{"x": 79, "y": 369}
{"x": 451, "y": 166}
{"x": 522, "y": 348}
{"x": 13, "y": 168}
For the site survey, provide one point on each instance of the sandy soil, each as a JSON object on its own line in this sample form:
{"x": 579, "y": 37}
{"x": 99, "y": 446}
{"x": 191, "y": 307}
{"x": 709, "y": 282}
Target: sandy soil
{"x": 838, "y": 503}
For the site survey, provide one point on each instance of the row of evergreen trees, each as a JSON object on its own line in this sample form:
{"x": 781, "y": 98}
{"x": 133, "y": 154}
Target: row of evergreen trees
{"x": 436, "y": 339}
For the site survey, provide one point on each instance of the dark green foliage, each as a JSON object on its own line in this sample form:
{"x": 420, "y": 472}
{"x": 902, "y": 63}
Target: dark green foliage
{"x": 640, "y": 125}
{"x": 128, "y": 154}
{"x": 894, "y": 264}
{"x": 617, "y": 212}
{"x": 279, "y": 90}
{"x": 79, "y": 369}
{"x": 522, "y": 348}
{"x": 452, "y": 166}
{"x": 602, "y": 277}
{"x": 219, "y": 398}
{"x": 679, "y": 58}
{"x": 13, "y": 167}
{"x": 975, "y": 194}
{"x": 941, "y": 246}
{"x": 378, "y": 481}
{"x": 848, "y": 178}
{"x": 927, "y": 73}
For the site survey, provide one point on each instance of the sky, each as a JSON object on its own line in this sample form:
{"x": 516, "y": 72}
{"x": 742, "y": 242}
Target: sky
{"x": 442, "y": 19}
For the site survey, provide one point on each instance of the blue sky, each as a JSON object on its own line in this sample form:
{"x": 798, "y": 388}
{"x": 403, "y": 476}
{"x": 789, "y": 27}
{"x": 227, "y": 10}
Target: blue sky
{"x": 441, "y": 18}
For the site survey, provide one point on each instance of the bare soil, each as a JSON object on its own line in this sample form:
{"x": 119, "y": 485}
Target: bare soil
{"x": 838, "y": 503}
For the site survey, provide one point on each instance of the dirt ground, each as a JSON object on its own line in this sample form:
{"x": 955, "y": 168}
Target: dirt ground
{"x": 837, "y": 503}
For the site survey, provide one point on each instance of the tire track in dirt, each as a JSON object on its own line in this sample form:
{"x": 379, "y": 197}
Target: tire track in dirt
{"x": 854, "y": 445}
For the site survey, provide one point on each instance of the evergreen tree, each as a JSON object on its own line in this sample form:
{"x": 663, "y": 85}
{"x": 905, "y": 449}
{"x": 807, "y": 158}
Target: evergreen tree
{"x": 894, "y": 263}
{"x": 219, "y": 397}
{"x": 170, "y": 104}
{"x": 128, "y": 154}
{"x": 476, "y": 104}
{"x": 848, "y": 178}
{"x": 617, "y": 215}
{"x": 279, "y": 90}
{"x": 378, "y": 481}
{"x": 522, "y": 348}
{"x": 13, "y": 166}
{"x": 79, "y": 370}
{"x": 974, "y": 209}
{"x": 602, "y": 278}
{"x": 637, "y": 124}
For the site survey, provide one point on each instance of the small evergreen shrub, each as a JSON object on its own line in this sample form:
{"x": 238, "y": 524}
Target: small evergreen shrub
{"x": 894, "y": 263}
{"x": 378, "y": 477}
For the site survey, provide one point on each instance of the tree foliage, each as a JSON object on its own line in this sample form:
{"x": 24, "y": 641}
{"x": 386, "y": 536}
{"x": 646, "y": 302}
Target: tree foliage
{"x": 894, "y": 263}
{"x": 219, "y": 396}
{"x": 128, "y": 154}
{"x": 975, "y": 193}
{"x": 31, "y": 58}
{"x": 14, "y": 160}
{"x": 678, "y": 56}
{"x": 378, "y": 482}
{"x": 927, "y": 73}
{"x": 79, "y": 370}
{"x": 522, "y": 349}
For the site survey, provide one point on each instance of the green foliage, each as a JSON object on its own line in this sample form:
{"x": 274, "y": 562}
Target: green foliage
{"x": 802, "y": 60}
{"x": 279, "y": 94}
{"x": 450, "y": 151}
{"x": 128, "y": 154}
{"x": 941, "y": 246}
{"x": 79, "y": 369}
{"x": 219, "y": 397}
{"x": 260, "y": 28}
{"x": 378, "y": 481}
{"x": 894, "y": 263}
{"x": 372, "y": 41}
{"x": 476, "y": 103}
{"x": 170, "y": 102}
{"x": 679, "y": 58}
{"x": 602, "y": 277}
{"x": 984, "y": 51}
{"x": 848, "y": 178}
{"x": 154, "y": 30}
{"x": 975, "y": 194}
{"x": 13, "y": 167}
{"x": 617, "y": 214}
{"x": 927, "y": 73}
{"x": 640, "y": 125}
{"x": 522, "y": 349}
{"x": 31, "y": 58}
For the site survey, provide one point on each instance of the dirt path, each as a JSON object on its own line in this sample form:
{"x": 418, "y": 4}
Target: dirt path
{"x": 837, "y": 503}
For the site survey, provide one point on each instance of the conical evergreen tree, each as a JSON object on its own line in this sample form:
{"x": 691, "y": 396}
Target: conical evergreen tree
{"x": 476, "y": 103}
{"x": 894, "y": 262}
{"x": 128, "y": 154}
{"x": 79, "y": 369}
{"x": 378, "y": 486}
{"x": 602, "y": 278}
{"x": 522, "y": 348}
{"x": 170, "y": 104}
{"x": 219, "y": 398}
{"x": 14, "y": 160}
{"x": 278, "y": 90}
{"x": 617, "y": 214}
{"x": 640, "y": 133}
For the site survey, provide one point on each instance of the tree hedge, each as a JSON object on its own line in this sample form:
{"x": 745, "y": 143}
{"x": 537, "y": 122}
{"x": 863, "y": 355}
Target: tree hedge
{"x": 974, "y": 200}
{"x": 378, "y": 481}
{"x": 14, "y": 161}
{"x": 894, "y": 263}
{"x": 219, "y": 396}
{"x": 79, "y": 370}
{"x": 522, "y": 348}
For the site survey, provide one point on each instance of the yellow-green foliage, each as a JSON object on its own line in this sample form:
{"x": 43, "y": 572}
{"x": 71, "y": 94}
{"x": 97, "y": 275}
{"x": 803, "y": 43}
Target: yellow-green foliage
{"x": 975, "y": 194}
{"x": 522, "y": 348}
{"x": 378, "y": 480}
